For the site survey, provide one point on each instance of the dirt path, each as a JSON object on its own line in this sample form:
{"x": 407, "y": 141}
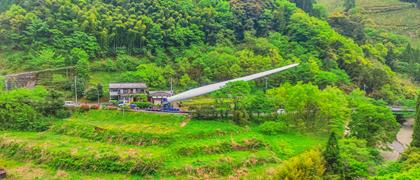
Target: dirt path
{"x": 404, "y": 138}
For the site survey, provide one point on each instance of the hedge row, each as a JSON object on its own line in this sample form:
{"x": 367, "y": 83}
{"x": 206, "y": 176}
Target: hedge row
{"x": 222, "y": 166}
{"x": 105, "y": 135}
{"x": 251, "y": 144}
{"x": 103, "y": 162}
{"x": 131, "y": 138}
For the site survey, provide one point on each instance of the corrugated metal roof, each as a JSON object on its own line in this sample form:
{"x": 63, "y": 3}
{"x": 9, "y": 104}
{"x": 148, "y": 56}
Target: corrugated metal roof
{"x": 160, "y": 93}
{"x": 127, "y": 85}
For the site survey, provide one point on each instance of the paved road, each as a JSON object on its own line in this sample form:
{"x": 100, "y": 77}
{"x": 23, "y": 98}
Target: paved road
{"x": 404, "y": 138}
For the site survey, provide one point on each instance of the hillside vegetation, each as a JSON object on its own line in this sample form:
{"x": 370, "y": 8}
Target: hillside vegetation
{"x": 392, "y": 15}
{"x": 192, "y": 42}
{"x": 151, "y": 144}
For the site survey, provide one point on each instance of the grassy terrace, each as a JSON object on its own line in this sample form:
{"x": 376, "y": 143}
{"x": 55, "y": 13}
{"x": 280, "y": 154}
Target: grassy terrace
{"x": 99, "y": 143}
{"x": 392, "y": 15}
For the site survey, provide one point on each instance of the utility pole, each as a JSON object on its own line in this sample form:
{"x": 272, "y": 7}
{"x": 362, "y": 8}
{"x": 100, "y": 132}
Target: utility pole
{"x": 266, "y": 83}
{"x": 75, "y": 88}
{"x": 5, "y": 84}
{"x": 172, "y": 91}
{"x": 97, "y": 92}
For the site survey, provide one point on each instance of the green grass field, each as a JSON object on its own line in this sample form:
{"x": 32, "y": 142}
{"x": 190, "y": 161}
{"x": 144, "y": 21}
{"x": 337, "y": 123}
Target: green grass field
{"x": 392, "y": 15}
{"x": 110, "y": 145}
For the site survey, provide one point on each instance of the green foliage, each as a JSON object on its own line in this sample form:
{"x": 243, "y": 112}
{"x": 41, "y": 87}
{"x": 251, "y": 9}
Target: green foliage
{"x": 143, "y": 105}
{"x": 151, "y": 74}
{"x": 407, "y": 167}
{"x": 47, "y": 58}
{"x": 2, "y": 83}
{"x": 371, "y": 120}
{"x": 416, "y": 128}
{"x": 358, "y": 159}
{"x": 92, "y": 94}
{"x": 272, "y": 127}
{"x": 82, "y": 69}
{"x": 349, "y": 4}
{"x": 332, "y": 156}
{"x": 109, "y": 159}
{"x": 237, "y": 91}
{"x": 28, "y": 110}
{"x": 309, "y": 108}
{"x": 308, "y": 165}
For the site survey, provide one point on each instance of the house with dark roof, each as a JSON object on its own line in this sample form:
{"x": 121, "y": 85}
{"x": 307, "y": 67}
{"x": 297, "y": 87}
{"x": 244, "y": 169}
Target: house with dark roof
{"x": 126, "y": 91}
{"x": 156, "y": 97}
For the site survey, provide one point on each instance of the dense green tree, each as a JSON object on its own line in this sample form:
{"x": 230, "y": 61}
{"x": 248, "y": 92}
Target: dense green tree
{"x": 308, "y": 165}
{"x": 151, "y": 74}
{"x": 47, "y": 58}
{"x": 236, "y": 92}
{"x": 332, "y": 156}
{"x": 306, "y": 5}
{"x": 358, "y": 159}
{"x": 311, "y": 109}
{"x": 28, "y": 109}
{"x": 371, "y": 120}
{"x": 82, "y": 70}
{"x": 416, "y": 129}
{"x": 77, "y": 54}
{"x": 349, "y": 4}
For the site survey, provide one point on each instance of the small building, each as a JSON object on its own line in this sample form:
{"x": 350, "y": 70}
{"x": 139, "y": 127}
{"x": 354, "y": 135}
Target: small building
{"x": 126, "y": 92}
{"x": 156, "y": 97}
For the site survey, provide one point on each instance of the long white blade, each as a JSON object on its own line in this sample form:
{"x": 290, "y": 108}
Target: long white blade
{"x": 214, "y": 87}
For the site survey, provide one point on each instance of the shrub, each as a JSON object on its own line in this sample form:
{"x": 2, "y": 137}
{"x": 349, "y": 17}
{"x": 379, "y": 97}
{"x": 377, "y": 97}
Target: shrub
{"x": 250, "y": 144}
{"x": 94, "y": 106}
{"x": 63, "y": 113}
{"x": 308, "y": 165}
{"x": 110, "y": 136}
{"x": 272, "y": 127}
{"x": 27, "y": 109}
{"x": 84, "y": 107}
{"x": 143, "y": 105}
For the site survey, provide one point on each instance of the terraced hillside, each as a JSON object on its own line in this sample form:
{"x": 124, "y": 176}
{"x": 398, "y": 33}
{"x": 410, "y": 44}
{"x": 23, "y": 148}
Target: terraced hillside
{"x": 109, "y": 144}
{"x": 398, "y": 17}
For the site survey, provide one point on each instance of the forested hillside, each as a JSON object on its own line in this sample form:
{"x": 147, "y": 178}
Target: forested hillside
{"x": 195, "y": 43}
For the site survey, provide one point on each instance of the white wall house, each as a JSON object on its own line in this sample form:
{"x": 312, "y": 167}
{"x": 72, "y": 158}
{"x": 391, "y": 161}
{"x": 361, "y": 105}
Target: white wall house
{"x": 126, "y": 91}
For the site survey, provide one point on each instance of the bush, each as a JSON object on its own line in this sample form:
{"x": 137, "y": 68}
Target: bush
{"x": 272, "y": 127}
{"x": 114, "y": 102}
{"x": 308, "y": 165}
{"x": 94, "y": 106}
{"x": 110, "y": 136}
{"x": 143, "y": 105}
{"x": 27, "y": 109}
{"x": 63, "y": 113}
{"x": 84, "y": 107}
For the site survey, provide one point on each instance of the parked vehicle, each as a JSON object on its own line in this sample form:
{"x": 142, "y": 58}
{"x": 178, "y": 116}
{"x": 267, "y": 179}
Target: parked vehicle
{"x": 69, "y": 104}
{"x": 281, "y": 111}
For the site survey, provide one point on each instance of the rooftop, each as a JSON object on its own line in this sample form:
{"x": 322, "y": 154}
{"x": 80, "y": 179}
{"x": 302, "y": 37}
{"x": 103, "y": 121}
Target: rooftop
{"x": 127, "y": 85}
{"x": 160, "y": 93}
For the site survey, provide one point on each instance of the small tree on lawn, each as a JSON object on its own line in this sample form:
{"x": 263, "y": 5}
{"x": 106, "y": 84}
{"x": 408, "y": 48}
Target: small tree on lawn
{"x": 416, "y": 130}
{"x": 332, "y": 155}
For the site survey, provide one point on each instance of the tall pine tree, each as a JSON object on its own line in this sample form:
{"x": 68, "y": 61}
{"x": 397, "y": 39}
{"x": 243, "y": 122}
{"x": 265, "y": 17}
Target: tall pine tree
{"x": 332, "y": 155}
{"x": 416, "y": 130}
